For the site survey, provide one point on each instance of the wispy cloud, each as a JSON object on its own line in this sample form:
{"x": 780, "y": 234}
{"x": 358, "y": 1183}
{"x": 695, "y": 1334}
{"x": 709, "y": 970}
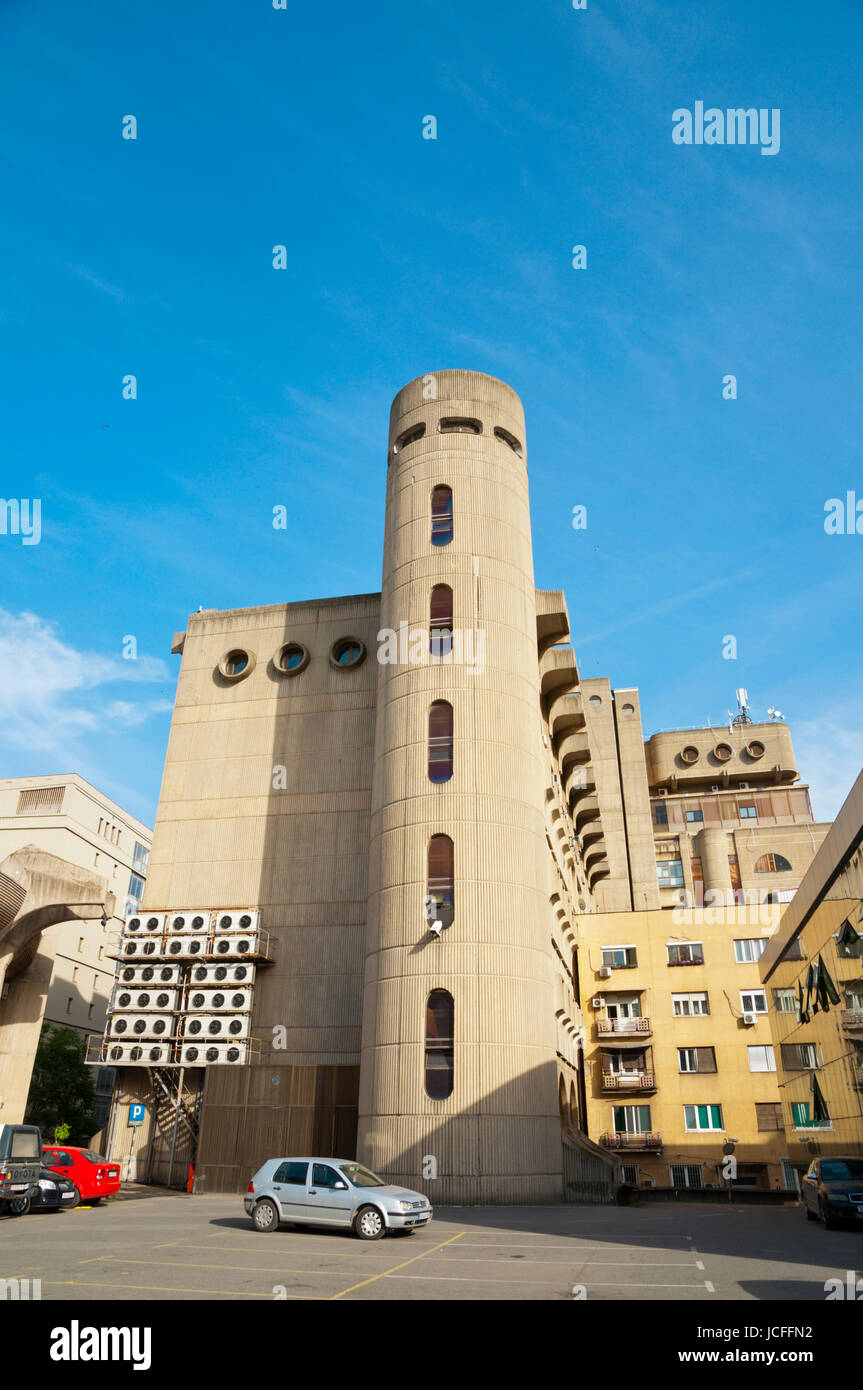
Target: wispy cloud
{"x": 832, "y": 747}
{"x": 53, "y": 693}
{"x": 84, "y": 272}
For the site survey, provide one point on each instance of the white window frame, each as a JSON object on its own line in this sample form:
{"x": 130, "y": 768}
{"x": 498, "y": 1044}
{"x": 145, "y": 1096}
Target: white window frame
{"x": 626, "y": 965}
{"x": 769, "y": 1056}
{"x": 751, "y": 994}
{"x": 749, "y": 942}
{"x": 709, "y": 1129}
{"x": 694, "y": 948}
{"x": 700, "y": 995}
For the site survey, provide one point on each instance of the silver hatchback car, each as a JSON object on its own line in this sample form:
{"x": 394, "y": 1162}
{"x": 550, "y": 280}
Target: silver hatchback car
{"x": 332, "y": 1192}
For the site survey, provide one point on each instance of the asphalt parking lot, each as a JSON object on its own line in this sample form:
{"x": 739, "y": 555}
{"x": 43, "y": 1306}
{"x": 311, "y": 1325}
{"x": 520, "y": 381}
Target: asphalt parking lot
{"x": 191, "y": 1248}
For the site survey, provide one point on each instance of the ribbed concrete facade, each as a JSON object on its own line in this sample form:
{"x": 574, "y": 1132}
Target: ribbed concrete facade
{"x": 497, "y": 1136}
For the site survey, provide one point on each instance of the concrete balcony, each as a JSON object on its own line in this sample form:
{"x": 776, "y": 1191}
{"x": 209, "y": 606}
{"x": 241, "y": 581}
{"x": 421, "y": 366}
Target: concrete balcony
{"x": 623, "y": 1026}
{"x": 852, "y": 1020}
{"x": 557, "y": 671}
{"x": 552, "y": 618}
{"x": 566, "y": 714}
{"x": 628, "y": 1081}
{"x": 645, "y": 1143}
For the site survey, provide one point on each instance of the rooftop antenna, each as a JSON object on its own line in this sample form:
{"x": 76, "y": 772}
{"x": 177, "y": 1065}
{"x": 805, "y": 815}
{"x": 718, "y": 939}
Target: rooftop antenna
{"x": 773, "y": 714}
{"x": 742, "y": 716}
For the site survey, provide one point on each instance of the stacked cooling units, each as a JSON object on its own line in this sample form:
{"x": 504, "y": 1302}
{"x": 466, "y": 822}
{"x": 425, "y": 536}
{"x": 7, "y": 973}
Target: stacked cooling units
{"x": 184, "y": 986}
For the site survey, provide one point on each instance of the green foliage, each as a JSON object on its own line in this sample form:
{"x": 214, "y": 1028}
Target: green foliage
{"x": 61, "y": 1134}
{"x": 62, "y": 1091}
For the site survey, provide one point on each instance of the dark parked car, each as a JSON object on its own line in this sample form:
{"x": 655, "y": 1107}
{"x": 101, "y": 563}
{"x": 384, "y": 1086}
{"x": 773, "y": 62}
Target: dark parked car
{"x": 833, "y": 1191}
{"x": 52, "y": 1193}
{"x": 20, "y": 1165}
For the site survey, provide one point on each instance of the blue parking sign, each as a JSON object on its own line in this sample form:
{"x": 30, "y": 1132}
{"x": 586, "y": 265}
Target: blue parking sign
{"x": 136, "y": 1114}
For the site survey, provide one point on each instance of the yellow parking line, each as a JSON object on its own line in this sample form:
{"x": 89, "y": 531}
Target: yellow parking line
{"x": 160, "y": 1288}
{"x": 403, "y": 1265}
{"x": 313, "y": 1250}
{"x": 244, "y": 1269}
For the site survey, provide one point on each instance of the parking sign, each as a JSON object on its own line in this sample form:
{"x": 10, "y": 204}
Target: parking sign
{"x": 136, "y": 1114}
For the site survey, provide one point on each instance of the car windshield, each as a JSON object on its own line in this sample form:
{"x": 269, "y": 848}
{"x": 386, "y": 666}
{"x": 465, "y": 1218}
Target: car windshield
{"x": 360, "y": 1176}
{"x": 839, "y": 1168}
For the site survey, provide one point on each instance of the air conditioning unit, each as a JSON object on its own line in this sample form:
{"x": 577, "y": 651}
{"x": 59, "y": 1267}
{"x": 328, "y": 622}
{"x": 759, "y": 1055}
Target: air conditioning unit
{"x": 242, "y": 921}
{"x": 218, "y": 1027}
{"x": 148, "y": 975}
{"x": 743, "y": 786}
{"x": 205, "y": 1054}
{"x": 145, "y": 1054}
{"x": 749, "y": 1020}
{"x": 605, "y": 972}
{"x": 139, "y": 999}
{"x": 193, "y": 919}
{"x": 185, "y": 947}
{"x": 223, "y": 974}
{"x": 135, "y": 948}
{"x": 132, "y": 1026}
{"x": 661, "y": 791}
{"x": 715, "y": 787}
{"x": 598, "y": 1002}
{"x": 211, "y": 1001}
{"x": 232, "y": 946}
{"x": 145, "y": 924}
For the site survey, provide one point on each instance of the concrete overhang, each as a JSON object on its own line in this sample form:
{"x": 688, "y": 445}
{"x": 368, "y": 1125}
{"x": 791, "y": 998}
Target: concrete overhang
{"x": 552, "y": 618}
{"x": 565, "y": 713}
{"x": 557, "y": 670}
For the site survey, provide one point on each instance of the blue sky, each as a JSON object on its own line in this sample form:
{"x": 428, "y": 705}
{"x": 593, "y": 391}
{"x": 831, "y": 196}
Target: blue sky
{"x": 258, "y": 387}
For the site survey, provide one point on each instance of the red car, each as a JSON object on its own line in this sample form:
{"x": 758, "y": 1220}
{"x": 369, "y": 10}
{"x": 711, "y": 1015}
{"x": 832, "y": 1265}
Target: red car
{"x": 92, "y": 1174}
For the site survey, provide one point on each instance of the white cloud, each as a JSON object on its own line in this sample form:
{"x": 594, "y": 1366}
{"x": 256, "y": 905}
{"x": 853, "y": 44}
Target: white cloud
{"x": 51, "y": 692}
{"x": 829, "y": 756}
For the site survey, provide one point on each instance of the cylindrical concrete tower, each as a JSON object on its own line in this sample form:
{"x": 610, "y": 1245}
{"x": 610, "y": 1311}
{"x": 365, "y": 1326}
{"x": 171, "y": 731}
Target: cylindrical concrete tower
{"x": 712, "y": 847}
{"x": 458, "y": 1076}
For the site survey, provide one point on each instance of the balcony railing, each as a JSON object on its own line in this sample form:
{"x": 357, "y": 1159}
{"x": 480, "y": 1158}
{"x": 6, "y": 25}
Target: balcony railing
{"x": 631, "y": 1141}
{"x": 852, "y": 1018}
{"x": 623, "y": 1025}
{"x": 628, "y": 1081}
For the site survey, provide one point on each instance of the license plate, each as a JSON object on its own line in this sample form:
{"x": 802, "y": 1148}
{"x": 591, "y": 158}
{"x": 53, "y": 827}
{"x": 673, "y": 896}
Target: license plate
{"x": 19, "y": 1187}
{"x": 67, "y": 1196}
{"x": 424, "y": 1216}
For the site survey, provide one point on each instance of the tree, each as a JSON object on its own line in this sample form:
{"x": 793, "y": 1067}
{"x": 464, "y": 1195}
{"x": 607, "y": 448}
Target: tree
{"x": 62, "y": 1089}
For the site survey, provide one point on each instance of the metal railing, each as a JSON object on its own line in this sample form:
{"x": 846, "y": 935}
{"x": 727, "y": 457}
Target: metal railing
{"x": 628, "y": 1081}
{"x": 623, "y": 1025}
{"x": 631, "y": 1141}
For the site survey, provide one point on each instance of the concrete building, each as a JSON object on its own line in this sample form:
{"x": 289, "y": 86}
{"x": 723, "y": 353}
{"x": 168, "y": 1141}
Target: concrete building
{"x": 62, "y": 975}
{"x": 812, "y": 972}
{"x": 438, "y": 820}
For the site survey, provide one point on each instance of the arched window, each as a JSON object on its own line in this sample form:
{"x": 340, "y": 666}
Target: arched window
{"x": 439, "y": 1048}
{"x": 440, "y": 620}
{"x": 561, "y": 1101}
{"x": 441, "y": 878}
{"x": 440, "y": 742}
{"x": 573, "y": 1106}
{"x": 772, "y": 864}
{"x": 441, "y": 516}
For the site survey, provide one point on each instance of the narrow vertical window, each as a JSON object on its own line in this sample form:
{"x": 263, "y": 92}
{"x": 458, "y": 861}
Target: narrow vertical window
{"x": 441, "y": 516}
{"x": 440, "y": 620}
{"x": 441, "y": 878}
{"x": 439, "y": 1048}
{"x": 440, "y": 742}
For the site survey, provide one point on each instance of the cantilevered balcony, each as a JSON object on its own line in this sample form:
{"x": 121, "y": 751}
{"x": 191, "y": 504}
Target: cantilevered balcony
{"x": 557, "y": 671}
{"x": 651, "y": 1143}
{"x": 852, "y": 1020}
{"x": 623, "y": 1026}
{"x": 628, "y": 1081}
{"x": 565, "y": 714}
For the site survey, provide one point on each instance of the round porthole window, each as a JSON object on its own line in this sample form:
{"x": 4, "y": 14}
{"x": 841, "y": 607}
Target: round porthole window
{"x": 594, "y": 701}
{"x": 755, "y": 749}
{"x": 292, "y": 658}
{"x": 348, "y": 651}
{"x": 689, "y": 754}
{"x": 722, "y": 752}
{"x": 627, "y": 711}
{"x": 236, "y": 664}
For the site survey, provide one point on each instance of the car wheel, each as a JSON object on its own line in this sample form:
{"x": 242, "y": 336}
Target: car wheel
{"x": 76, "y": 1200}
{"x": 827, "y": 1220}
{"x": 19, "y": 1206}
{"x": 94, "y": 1201}
{"x": 369, "y": 1224}
{"x": 265, "y": 1217}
